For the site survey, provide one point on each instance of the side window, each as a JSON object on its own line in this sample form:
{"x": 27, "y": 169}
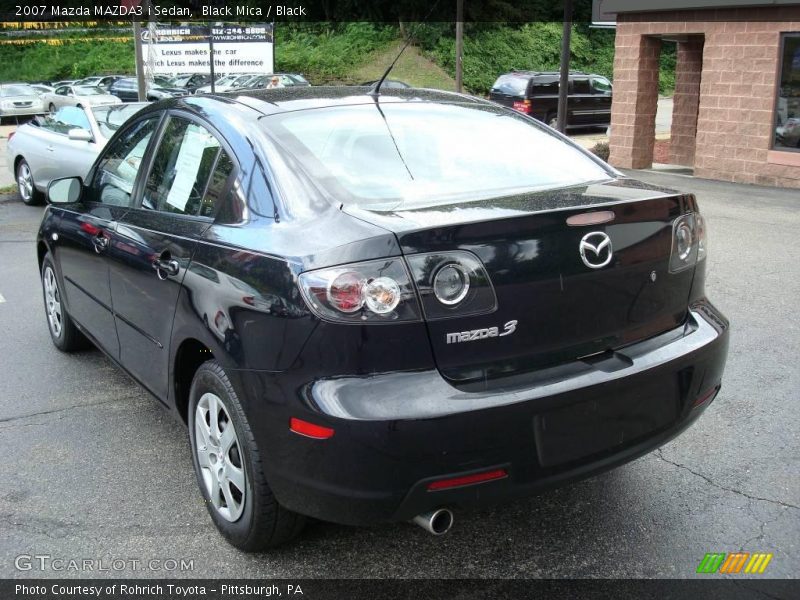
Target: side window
{"x": 182, "y": 170}
{"x": 545, "y": 88}
{"x": 581, "y": 86}
{"x": 62, "y": 91}
{"x": 116, "y": 173}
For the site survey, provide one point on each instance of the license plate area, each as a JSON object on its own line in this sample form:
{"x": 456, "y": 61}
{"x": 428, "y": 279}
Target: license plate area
{"x": 604, "y": 424}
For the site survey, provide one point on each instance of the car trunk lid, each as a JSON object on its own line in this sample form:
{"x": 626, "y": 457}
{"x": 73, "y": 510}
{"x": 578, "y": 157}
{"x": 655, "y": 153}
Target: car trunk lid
{"x": 558, "y": 305}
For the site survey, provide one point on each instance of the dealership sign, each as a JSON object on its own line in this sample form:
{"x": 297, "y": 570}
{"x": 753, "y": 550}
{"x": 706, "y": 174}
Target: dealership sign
{"x": 185, "y": 48}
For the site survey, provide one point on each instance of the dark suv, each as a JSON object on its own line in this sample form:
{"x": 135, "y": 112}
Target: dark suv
{"x": 536, "y": 94}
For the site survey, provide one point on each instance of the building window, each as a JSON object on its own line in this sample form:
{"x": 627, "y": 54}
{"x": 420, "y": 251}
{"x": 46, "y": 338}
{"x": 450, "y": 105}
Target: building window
{"x": 787, "y": 122}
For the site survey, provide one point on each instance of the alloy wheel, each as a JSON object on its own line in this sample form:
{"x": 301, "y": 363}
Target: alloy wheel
{"x": 25, "y": 182}
{"x": 52, "y": 298}
{"x": 219, "y": 455}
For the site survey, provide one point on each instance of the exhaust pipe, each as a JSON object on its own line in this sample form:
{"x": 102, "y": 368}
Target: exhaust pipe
{"x": 437, "y": 522}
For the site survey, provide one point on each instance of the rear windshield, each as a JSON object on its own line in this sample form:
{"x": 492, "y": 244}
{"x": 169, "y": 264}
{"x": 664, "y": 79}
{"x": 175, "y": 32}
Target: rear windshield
{"x": 511, "y": 84}
{"x": 415, "y": 155}
{"x": 16, "y": 90}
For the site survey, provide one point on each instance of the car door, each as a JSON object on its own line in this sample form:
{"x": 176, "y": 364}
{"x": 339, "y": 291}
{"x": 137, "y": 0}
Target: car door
{"x": 58, "y": 97}
{"x": 64, "y": 157}
{"x": 156, "y": 240}
{"x": 601, "y": 100}
{"x": 87, "y": 234}
{"x": 580, "y": 103}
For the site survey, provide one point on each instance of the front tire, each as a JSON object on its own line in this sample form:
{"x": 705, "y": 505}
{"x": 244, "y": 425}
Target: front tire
{"x": 52, "y": 108}
{"x": 229, "y": 468}
{"x": 65, "y": 335}
{"x": 26, "y": 186}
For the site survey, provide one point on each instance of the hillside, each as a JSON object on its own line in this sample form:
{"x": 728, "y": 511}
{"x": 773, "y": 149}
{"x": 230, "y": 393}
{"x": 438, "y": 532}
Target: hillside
{"x": 357, "y": 52}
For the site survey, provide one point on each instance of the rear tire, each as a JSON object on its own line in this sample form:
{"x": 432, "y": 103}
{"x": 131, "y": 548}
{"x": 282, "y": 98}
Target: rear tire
{"x": 52, "y": 108}
{"x": 26, "y": 186}
{"x": 229, "y": 467}
{"x": 65, "y": 335}
{"x": 552, "y": 120}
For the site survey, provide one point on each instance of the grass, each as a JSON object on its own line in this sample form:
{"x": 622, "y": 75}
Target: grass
{"x": 9, "y": 189}
{"x": 413, "y": 68}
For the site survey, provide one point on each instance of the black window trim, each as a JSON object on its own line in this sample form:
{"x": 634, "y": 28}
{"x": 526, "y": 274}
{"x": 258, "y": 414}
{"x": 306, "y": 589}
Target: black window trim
{"x": 773, "y": 147}
{"x": 147, "y": 165}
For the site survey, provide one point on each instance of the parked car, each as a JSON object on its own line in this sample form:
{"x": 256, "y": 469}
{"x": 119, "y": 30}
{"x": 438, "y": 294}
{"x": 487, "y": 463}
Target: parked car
{"x": 392, "y": 311}
{"x": 19, "y": 99}
{"x": 127, "y": 90}
{"x": 56, "y": 84}
{"x": 75, "y": 95}
{"x": 536, "y": 94}
{"x": 276, "y": 80}
{"x": 62, "y": 144}
{"x": 101, "y": 81}
{"x": 190, "y": 82}
{"x": 230, "y": 82}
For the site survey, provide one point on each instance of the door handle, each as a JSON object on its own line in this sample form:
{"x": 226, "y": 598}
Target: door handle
{"x": 100, "y": 242}
{"x": 166, "y": 267}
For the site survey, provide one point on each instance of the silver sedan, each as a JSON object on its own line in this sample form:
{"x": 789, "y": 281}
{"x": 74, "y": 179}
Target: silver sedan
{"x": 76, "y": 95}
{"x": 64, "y": 144}
{"x": 17, "y": 99}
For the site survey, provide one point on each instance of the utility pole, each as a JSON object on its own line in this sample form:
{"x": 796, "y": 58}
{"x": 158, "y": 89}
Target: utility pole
{"x": 563, "y": 88}
{"x": 460, "y": 46}
{"x": 211, "y": 57}
{"x": 137, "y": 45}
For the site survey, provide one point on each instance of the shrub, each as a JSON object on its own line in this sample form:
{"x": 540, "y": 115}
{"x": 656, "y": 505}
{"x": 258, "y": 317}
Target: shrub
{"x": 601, "y": 150}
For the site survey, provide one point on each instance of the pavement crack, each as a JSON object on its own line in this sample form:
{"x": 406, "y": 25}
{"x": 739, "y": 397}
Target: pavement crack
{"x": 12, "y": 420}
{"x": 711, "y": 482}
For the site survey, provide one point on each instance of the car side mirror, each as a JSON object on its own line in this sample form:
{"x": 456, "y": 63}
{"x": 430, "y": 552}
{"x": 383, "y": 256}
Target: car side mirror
{"x": 80, "y": 135}
{"x": 65, "y": 191}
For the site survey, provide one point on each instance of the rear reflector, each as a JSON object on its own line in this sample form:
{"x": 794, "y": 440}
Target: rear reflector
{"x": 317, "y": 432}
{"x": 444, "y": 484}
{"x": 705, "y": 398}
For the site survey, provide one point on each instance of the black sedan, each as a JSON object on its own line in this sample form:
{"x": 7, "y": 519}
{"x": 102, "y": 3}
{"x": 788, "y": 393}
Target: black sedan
{"x": 372, "y": 307}
{"x": 127, "y": 90}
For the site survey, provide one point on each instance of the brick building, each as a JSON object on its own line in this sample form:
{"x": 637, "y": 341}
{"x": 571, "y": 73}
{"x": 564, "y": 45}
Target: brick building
{"x": 736, "y": 110}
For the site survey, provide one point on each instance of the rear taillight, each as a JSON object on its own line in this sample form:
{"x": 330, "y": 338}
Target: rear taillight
{"x": 452, "y": 284}
{"x": 378, "y": 291}
{"x": 523, "y": 106}
{"x": 689, "y": 243}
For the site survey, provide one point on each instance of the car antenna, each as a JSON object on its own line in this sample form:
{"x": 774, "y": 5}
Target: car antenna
{"x": 375, "y": 90}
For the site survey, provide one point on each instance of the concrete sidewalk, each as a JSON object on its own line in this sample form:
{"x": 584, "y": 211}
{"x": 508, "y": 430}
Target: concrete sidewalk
{"x": 663, "y": 127}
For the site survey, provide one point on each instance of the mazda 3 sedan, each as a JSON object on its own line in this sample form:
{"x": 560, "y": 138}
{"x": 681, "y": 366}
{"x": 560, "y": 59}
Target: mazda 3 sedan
{"x": 382, "y": 307}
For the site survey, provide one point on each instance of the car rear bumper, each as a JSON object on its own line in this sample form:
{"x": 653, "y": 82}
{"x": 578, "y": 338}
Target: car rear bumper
{"x": 396, "y": 434}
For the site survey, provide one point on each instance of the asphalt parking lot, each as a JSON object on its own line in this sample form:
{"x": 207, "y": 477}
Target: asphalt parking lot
{"x": 92, "y": 468}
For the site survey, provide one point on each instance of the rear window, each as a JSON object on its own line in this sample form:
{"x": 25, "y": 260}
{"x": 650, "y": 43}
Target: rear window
{"x": 511, "y": 84}
{"x": 16, "y": 90}
{"x": 415, "y": 155}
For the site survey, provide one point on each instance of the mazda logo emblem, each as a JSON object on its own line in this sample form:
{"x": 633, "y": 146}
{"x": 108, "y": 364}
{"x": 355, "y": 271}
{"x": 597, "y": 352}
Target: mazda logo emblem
{"x": 595, "y": 249}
